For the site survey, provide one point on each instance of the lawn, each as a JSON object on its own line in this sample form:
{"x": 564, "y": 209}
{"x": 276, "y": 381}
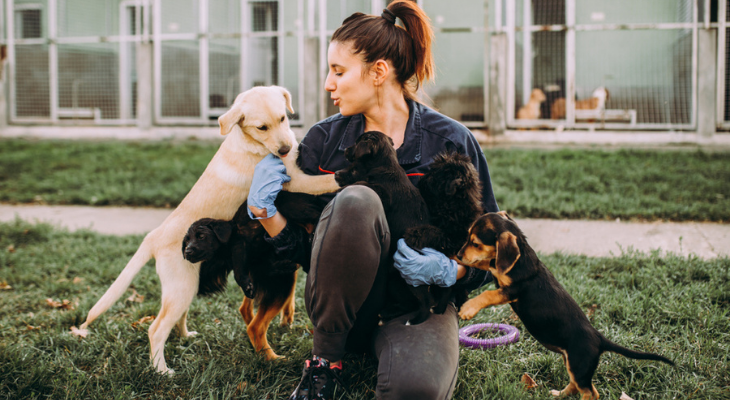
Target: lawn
{"x": 672, "y": 305}
{"x": 675, "y": 185}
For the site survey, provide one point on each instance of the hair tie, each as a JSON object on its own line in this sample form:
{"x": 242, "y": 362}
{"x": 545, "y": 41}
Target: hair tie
{"x": 388, "y": 16}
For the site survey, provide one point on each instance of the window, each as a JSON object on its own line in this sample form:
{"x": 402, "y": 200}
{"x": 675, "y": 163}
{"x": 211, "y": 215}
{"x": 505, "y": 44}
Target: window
{"x": 28, "y": 22}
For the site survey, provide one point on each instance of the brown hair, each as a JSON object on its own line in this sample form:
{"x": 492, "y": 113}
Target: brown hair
{"x": 407, "y": 47}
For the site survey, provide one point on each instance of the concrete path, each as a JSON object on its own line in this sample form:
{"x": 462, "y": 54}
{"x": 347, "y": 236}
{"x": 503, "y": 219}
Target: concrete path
{"x": 592, "y": 238}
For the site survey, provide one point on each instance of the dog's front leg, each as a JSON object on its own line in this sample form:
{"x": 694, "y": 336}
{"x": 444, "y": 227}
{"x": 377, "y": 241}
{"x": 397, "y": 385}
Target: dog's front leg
{"x": 303, "y": 183}
{"x": 486, "y": 299}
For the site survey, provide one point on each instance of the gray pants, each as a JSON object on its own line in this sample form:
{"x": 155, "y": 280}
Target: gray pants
{"x": 346, "y": 289}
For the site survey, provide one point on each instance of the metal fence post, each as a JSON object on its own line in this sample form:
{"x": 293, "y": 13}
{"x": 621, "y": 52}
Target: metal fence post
{"x": 144, "y": 85}
{"x": 706, "y": 83}
{"x": 310, "y": 83}
{"x": 497, "y": 83}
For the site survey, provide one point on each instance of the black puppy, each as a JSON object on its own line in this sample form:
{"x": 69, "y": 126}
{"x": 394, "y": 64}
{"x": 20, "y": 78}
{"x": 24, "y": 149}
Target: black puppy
{"x": 239, "y": 246}
{"x": 550, "y": 314}
{"x": 452, "y": 191}
{"x": 374, "y": 164}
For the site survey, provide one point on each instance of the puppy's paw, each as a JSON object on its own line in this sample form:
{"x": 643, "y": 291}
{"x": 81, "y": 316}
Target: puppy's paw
{"x": 469, "y": 310}
{"x": 555, "y": 393}
{"x": 191, "y": 333}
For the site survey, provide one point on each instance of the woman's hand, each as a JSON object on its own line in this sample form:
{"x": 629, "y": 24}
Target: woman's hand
{"x": 427, "y": 267}
{"x": 268, "y": 178}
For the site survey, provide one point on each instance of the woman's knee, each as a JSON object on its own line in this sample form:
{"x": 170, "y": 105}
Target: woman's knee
{"x": 358, "y": 199}
{"x": 422, "y": 389}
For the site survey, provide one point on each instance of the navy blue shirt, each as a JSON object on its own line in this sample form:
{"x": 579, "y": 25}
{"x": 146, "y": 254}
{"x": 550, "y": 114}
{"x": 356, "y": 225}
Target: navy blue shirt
{"x": 428, "y": 133}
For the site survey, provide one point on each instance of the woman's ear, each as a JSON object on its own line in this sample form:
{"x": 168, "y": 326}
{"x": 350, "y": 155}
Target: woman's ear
{"x": 380, "y": 71}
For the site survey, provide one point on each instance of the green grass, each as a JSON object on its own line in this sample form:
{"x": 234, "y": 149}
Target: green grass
{"x": 672, "y": 305}
{"x": 569, "y": 183}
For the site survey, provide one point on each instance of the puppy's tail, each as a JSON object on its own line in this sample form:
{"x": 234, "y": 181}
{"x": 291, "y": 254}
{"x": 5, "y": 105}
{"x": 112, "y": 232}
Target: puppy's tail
{"x": 120, "y": 285}
{"x": 607, "y": 345}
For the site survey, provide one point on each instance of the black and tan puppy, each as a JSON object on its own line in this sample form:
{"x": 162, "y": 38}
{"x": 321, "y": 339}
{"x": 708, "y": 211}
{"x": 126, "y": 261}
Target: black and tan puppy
{"x": 453, "y": 195}
{"x": 549, "y": 313}
{"x": 267, "y": 280}
{"x": 374, "y": 164}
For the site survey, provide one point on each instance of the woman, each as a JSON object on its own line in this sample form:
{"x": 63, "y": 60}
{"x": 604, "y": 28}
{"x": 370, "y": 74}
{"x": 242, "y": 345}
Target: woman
{"x": 375, "y": 68}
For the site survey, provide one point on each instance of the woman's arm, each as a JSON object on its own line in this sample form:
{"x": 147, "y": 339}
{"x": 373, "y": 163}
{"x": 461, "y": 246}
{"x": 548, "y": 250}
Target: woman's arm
{"x": 273, "y": 225}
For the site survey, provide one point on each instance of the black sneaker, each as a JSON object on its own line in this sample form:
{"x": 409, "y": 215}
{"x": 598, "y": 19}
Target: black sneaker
{"x": 318, "y": 381}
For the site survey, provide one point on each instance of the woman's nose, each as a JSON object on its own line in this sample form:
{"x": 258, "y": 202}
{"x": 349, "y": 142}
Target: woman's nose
{"x": 329, "y": 84}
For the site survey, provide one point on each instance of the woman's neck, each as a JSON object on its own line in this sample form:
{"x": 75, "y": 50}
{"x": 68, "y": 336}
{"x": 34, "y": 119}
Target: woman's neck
{"x": 390, "y": 117}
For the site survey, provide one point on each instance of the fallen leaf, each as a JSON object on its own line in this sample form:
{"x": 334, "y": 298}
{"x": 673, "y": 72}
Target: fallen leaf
{"x": 11, "y": 248}
{"x": 78, "y": 280}
{"x": 217, "y": 321}
{"x": 592, "y": 311}
{"x": 135, "y": 297}
{"x": 4, "y": 286}
{"x": 33, "y": 328}
{"x": 143, "y": 320}
{"x": 79, "y": 332}
{"x": 624, "y": 396}
{"x": 64, "y": 304}
{"x": 528, "y": 381}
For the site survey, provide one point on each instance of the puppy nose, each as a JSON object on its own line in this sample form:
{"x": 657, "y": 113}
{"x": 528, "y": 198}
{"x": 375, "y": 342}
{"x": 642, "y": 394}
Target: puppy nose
{"x": 284, "y": 150}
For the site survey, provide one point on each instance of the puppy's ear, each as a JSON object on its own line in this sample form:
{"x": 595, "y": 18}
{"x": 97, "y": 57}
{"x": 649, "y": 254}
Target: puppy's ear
{"x": 507, "y": 252}
{"x": 454, "y": 186}
{"x": 364, "y": 149}
{"x": 185, "y": 241}
{"x": 505, "y": 215}
{"x": 287, "y": 97}
{"x": 228, "y": 120}
{"x": 222, "y": 230}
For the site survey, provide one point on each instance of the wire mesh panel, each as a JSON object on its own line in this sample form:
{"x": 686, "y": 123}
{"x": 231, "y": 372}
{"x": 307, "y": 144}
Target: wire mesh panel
{"x": 622, "y": 64}
{"x": 178, "y": 61}
{"x": 74, "y": 60}
{"x": 88, "y": 84}
{"x": 224, "y": 55}
{"x": 459, "y": 56}
{"x": 262, "y": 63}
{"x": 180, "y": 64}
{"x": 31, "y": 86}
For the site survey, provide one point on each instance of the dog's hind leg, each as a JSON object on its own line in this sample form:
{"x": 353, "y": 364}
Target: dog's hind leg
{"x": 246, "y": 310}
{"x": 287, "y": 312}
{"x": 182, "y": 326}
{"x": 581, "y": 372}
{"x": 179, "y": 281}
{"x": 120, "y": 285}
{"x": 581, "y": 369}
{"x": 259, "y": 327}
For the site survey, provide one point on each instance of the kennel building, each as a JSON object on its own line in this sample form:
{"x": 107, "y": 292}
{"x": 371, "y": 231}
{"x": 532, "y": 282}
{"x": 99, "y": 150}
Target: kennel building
{"x": 620, "y": 64}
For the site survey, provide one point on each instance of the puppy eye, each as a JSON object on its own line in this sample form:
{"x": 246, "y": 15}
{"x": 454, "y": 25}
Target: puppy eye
{"x": 263, "y": 128}
{"x": 201, "y": 236}
{"x": 474, "y": 245}
{"x": 282, "y": 119}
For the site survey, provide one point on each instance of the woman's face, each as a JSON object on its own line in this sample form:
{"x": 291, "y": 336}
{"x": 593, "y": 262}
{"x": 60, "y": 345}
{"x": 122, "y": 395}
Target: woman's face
{"x": 351, "y": 91}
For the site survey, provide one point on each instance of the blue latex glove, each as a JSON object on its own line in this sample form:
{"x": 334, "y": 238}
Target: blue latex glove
{"x": 425, "y": 267}
{"x": 268, "y": 178}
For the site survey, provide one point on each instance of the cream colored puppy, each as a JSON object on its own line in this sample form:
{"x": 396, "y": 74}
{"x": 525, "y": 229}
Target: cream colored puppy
{"x": 531, "y": 110}
{"x": 256, "y": 125}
